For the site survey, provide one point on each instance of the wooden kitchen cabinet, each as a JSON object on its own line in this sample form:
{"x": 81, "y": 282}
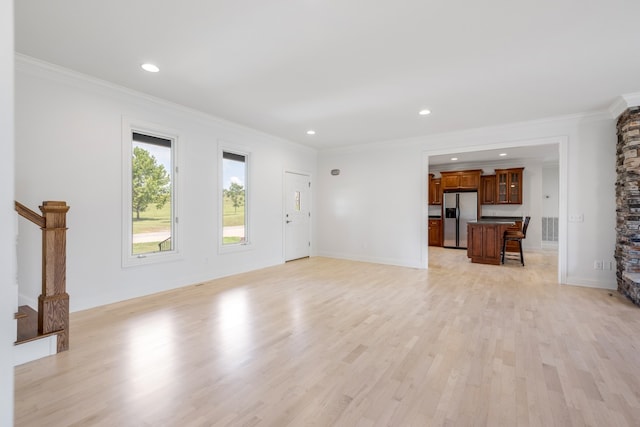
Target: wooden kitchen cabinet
{"x": 461, "y": 180}
{"x": 484, "y": 244}
{"x": 470, "y": 180}
{"x": 435, "y": 232}
{"x": 435, "y": 190}
{"x": 450, "y": 181}
{"x": 509, "y": 186}
{"x": 488, "y": 189}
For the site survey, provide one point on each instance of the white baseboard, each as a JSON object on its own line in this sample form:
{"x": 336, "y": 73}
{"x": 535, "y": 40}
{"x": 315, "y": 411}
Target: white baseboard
{"x": 34, "y": 350}
{"x": 591, "y": 283}
{"x": 374, "y": 260}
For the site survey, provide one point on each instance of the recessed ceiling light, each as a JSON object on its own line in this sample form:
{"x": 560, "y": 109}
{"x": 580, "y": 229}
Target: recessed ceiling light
{"x": 424, "y": 112}
{"x": 502, "y": 154}
{"x": 150, "y": 68}
{"x": 311, "y": 132}
{"x": 454, "y": 158}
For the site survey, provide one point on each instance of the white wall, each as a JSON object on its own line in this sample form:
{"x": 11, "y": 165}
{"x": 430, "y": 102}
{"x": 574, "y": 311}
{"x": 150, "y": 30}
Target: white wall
{"x": 353, "y": 213}
{"x": 550, "y": 193}
{"x": 550, "y": 200}
{"x": 68, "y": 147}
{"x": 373, "y": 210}
{"x": 8, "y": 293}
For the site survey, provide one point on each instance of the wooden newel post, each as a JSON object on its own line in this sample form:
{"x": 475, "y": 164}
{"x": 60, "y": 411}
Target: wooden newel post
{"x": 53, "y": 303}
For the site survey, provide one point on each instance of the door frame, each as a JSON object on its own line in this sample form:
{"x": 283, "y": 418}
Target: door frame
{"x": 562, "y": 142}
{"x": 284, "y": 210}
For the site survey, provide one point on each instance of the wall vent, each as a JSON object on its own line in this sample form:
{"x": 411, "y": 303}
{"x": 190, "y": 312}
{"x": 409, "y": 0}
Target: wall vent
{"x": 549, "y": 229}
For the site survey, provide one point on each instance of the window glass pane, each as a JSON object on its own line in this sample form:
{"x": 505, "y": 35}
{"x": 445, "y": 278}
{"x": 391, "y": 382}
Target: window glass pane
{"x": 151, "y": 194}
{"x": 296, "y": 198}
{"x": 234, "y": 172}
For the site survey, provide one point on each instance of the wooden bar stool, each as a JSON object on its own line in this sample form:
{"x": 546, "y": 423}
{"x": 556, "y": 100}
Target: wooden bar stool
{"x": 515, "y": 236}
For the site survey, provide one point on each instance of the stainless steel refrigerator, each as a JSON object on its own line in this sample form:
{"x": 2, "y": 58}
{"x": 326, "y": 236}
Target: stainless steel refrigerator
{"x": 459, "y": 208}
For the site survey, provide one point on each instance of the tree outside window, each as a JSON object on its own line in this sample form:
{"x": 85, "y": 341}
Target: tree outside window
{"x": 234, "y": 207}
{"x": 151, "y": 194}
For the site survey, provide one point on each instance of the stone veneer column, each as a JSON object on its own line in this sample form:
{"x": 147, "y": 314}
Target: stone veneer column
{"x": 628, "y": 204}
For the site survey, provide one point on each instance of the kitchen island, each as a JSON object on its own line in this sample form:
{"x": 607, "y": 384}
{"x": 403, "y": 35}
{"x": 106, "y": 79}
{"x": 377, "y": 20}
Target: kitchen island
{"x": 484, "y": 240}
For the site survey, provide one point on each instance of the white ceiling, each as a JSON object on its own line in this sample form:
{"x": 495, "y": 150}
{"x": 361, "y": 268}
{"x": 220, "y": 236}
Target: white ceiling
{"x": 354, "y": 71}
{"x": 547, "y": 154}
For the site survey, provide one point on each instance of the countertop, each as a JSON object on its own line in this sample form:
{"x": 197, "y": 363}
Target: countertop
{"x": 501, "y": 218}
{"x": 487, "y": 219}
{"x": 484, "y": 220}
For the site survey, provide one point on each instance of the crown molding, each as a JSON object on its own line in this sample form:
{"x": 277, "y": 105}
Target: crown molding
{"x": 38, "y": 67}
{"x": 622, "y": 102}
{"x": 473, "y": 133}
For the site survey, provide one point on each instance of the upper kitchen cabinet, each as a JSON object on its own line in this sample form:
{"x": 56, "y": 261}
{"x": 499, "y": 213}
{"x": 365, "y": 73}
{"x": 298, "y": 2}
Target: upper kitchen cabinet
{"x": 488, "y": 189}
{"x": 509, "y": 186}
{"x": 435, "y": 190}
{"x": 461, "y": 180}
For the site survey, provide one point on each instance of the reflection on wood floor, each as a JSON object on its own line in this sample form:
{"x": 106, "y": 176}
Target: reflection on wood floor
{"x": 331, "y": 342}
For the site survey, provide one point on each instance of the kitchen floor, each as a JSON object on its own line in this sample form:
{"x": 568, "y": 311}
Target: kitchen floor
{"x": 543, "y": 263}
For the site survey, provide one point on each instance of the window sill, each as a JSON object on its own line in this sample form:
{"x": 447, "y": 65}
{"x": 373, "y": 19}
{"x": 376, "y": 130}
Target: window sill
{"x": 150, "y": 258}
{"x": 236, "y": 247}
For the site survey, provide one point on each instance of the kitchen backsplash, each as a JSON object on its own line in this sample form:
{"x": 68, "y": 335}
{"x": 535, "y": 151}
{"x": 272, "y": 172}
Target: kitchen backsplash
{"x": 434, "y": 210}
{"x": 502, "y": 210}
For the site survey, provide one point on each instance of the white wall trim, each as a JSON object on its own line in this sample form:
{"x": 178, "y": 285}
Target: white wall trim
{"x": 563, "y": 208}
{"x": 424, "y": 204}
{"x": 622, "y": 102}
{"x": 471, "y": 134}
{"x": 374, "y": 260}
{"x": 587, "y": 282}
{"x": 617, "y": 107}
{"x": 28, "y": 64}
{"x": 497, "y": 145}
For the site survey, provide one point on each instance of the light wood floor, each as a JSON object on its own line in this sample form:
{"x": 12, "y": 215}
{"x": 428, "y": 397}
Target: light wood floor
{"x": 328, "y": 342}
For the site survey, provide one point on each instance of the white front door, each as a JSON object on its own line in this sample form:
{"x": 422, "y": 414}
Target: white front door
{"x": 297, "y": 216}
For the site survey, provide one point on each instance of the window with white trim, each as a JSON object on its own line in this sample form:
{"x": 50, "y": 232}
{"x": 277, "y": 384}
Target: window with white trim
{"x": 149, "y": 195}
{"x": 234, "y": 198}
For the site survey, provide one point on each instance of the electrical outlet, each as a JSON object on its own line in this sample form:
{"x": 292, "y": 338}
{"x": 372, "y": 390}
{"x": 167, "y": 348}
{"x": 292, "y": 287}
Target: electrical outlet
{"x": 607, "y": 265}
{"x": 597, "y": 265}
{"x": 576, "y": 218}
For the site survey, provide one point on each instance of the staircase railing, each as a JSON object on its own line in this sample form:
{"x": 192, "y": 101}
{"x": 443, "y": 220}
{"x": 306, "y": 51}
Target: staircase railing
{"x": 165, "y": 245}
{"x": 53, "y": 303}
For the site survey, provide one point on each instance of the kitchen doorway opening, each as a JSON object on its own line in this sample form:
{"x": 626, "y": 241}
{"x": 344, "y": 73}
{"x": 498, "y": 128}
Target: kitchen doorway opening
{"x": 544, "y": 197}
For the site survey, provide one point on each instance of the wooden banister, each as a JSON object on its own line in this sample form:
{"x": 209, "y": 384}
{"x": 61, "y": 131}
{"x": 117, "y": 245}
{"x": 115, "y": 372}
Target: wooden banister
{"x": 53, "y": 303}
{"x": 27, "y": 213}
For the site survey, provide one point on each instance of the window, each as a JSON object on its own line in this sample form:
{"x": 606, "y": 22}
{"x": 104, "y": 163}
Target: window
{"x": 234, "y": 198}
{"x": 149, "y": 199}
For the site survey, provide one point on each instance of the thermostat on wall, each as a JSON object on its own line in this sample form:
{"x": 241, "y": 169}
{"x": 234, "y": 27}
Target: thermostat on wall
{"x": 335, "y": 171}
